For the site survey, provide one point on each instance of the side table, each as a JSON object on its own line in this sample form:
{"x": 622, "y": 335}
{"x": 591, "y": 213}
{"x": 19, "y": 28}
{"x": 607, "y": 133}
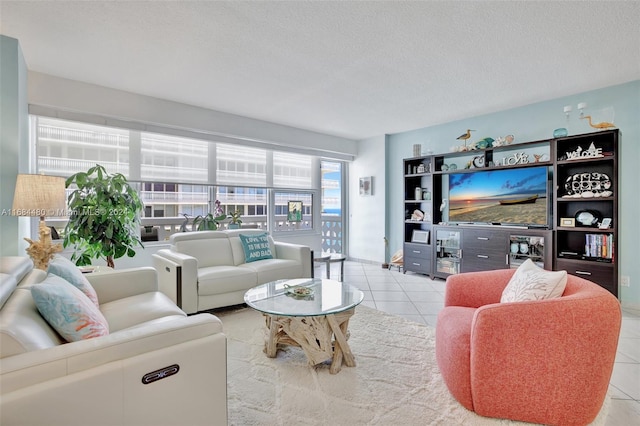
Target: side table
{"x": 335, "y": 258}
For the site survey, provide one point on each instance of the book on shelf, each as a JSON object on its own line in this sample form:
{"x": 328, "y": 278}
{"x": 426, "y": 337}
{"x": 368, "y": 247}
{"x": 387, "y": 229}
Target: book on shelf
{"x": 599, "y": 246}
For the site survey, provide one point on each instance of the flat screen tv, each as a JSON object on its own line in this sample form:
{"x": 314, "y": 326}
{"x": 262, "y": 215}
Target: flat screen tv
{"x": 500, "y": 196}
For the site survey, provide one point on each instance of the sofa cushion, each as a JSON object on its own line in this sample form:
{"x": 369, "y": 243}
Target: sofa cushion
{"x": 68, "y": 310}
{"x": 22, "y": 328}
{"x": 214, "y": 250}
{"x": 274, "y": 269}
{"x": 530, "y": 282}
{"x": 64, "y": 268}
{"x": 224, "y": 279}
{"x": 139, "y": 309}
{"x": 256, "y": 247}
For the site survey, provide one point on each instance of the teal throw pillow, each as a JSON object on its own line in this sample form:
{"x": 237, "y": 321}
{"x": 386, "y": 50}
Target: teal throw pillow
{"x": 64, "y": 268}
{"x": 256, "y": 247}
{"x": 68, "y": 310}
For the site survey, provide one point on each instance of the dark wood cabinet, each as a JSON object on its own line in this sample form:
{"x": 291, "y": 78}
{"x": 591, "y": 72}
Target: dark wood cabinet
{"x": 586, "y": 207}
{"x": 581, "y": 230}
{"x": 418, "y": 214}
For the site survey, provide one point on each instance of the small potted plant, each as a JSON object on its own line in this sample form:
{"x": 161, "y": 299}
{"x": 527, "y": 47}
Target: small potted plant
{"x": 234, "y": 220}
{"x": 210, "y": 221}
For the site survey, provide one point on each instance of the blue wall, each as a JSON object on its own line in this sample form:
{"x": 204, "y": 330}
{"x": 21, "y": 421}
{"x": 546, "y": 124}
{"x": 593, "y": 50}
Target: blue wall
{"x": 536, "y": 122}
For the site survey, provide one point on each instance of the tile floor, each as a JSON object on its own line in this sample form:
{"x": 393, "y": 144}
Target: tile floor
{"x": 418, "y": 298}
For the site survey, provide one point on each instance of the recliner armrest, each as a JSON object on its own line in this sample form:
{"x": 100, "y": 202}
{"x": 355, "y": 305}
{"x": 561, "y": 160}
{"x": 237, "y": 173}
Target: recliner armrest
{"x": 178, "y": 278}
{"x": 121, "y": 283}
{"x": 296, "y": 252}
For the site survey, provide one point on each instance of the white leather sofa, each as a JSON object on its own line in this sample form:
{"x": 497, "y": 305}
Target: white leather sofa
{"x": 106, "y": 380}
{"x": 207, "y": 269}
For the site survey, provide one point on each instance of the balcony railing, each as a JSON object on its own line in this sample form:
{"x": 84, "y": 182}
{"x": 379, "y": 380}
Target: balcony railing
{"x": 331, "y": 227}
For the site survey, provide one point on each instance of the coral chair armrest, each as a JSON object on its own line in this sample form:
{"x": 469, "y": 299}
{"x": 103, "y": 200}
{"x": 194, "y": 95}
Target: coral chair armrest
{"x": 475, "y": 289}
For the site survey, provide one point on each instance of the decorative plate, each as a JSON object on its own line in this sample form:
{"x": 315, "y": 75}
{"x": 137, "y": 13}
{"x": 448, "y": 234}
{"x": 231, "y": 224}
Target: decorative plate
{"x": 298, "y": 291}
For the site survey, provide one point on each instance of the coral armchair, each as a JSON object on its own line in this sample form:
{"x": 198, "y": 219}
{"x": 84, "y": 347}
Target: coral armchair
{"x": 544, "y": 361}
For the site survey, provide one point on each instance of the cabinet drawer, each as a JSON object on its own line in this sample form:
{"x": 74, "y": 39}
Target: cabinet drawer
{"x": 483, "y": 261}
{"x": 484, "y": 239}
{"x": 421, "y": 251}
{"x": 417, "y": 264}
{"x": 600, "y": 273}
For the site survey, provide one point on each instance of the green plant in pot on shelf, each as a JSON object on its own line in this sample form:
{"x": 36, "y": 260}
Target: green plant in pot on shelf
{"x": 234, "y": 220}
{"x": 105, "y": 217}
{"x": 210, "y": 221}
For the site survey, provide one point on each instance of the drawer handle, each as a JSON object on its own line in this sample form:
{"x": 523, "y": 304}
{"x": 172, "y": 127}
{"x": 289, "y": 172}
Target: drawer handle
{"x": 416, "y": 251}
{"x": 483, "y": 256}
{"x": 583, "y": 273}
{"x": 415, "y": 264}
{"x": 483, "y": 238}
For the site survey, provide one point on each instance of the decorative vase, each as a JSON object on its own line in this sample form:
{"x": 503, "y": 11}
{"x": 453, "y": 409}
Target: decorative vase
{"x": 560, "y": 133}
{"x": 426, "y": 195}
{"x": 418, "y": 193}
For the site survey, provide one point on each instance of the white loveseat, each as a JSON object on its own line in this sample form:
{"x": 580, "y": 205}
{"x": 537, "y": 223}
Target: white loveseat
{"x": 106, "y": 380}
{"x": 207, "y": 269}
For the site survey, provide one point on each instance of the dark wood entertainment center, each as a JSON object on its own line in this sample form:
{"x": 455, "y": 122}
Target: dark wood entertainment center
{"x": 581, "y": 229}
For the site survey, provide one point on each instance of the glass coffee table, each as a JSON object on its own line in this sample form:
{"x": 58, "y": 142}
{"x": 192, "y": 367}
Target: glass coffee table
{"x": 310, "y": 313}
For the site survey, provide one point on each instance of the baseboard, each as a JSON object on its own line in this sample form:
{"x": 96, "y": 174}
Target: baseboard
{"x": 369, "y": 262}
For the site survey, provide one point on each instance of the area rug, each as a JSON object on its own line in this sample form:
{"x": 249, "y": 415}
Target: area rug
{"x": 396, "y": 380}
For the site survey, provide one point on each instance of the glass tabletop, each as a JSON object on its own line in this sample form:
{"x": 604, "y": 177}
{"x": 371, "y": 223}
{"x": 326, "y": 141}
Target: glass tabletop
{"x": 303, "y": 297}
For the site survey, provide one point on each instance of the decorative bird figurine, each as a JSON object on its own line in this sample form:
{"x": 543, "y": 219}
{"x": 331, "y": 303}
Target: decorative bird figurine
{"x": 602, "y": 125}
{"x": 465, "y": 136}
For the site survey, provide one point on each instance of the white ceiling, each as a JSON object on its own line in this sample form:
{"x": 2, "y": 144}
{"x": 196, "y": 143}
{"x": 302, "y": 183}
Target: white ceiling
{"x": 353, "y": 69}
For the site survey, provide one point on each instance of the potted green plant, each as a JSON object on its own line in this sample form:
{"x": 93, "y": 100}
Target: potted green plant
{"x": 210, "y": 221}
{"x": 234, "y": 220}
{"x": 105, "y": 217}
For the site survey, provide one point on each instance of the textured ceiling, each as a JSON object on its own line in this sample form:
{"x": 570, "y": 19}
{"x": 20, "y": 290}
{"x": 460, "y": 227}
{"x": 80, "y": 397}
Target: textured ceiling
{"x": 350, "y": 69}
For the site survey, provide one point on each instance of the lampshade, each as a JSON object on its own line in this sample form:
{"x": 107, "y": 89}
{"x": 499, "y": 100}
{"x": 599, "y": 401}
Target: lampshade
{"x": 39, "y": 195}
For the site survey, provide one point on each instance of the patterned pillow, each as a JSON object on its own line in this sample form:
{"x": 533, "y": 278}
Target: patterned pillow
{"x": 63, "y": 267}
{"x": 256, "y": 247}
{"x": 530, "y": 282}
{"x": 68, "y": 310}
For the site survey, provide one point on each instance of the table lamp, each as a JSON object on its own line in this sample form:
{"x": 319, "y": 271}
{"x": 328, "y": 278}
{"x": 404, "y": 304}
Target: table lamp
{"x": 40, "y": 196}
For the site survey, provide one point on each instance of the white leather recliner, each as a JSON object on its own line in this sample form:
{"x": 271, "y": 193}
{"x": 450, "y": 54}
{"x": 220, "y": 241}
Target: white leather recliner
{"x": 157, "y": 366}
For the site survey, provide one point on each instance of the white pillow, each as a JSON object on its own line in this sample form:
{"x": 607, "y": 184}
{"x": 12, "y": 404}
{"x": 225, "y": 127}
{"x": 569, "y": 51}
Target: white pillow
{"x": 530, "y": 282}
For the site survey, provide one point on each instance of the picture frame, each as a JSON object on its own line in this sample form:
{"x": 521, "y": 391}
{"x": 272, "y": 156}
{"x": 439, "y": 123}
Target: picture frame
{"x": 294, "y": 211}
{"x": 605, "y": 224}
{"x": 569, "y": 222}
{"x": 419, "y": 236}
{"x": 365, "y": 186}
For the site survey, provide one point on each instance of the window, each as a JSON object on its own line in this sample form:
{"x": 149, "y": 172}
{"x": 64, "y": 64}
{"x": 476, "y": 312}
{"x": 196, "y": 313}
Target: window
{"x": 66, "y": 147}
{"x": 179, "y": 176}
{"x": 169, "y": 158}
{"x": 292, "y": 170}
{"x": 241, "y": 165}
{"x": 281, "y": 206}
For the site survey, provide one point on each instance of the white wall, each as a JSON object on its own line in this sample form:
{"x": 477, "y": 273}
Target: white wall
{"x": 366, "y": 215}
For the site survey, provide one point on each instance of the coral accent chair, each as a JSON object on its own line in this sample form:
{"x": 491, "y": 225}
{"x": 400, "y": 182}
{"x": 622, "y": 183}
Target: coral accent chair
{"x": 544, "y": 361}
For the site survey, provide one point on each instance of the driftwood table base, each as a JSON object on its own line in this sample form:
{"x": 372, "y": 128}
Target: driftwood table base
{"x": 321, "y": 337}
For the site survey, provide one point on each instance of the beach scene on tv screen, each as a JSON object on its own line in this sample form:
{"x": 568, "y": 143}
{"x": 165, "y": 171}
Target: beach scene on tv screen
{"x": 510, "y": 196}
